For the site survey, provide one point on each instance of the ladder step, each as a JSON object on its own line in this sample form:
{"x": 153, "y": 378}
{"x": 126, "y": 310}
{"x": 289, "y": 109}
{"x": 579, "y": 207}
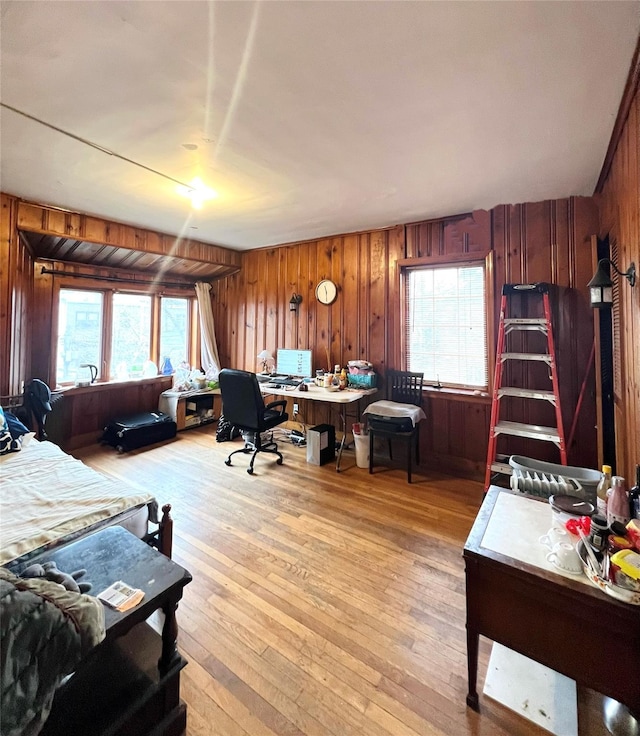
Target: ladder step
{"x": 527, "y": 393}
{"x": 526, "y": 322}
{"x": 527, "y": 356}
{"x": 533, "y": 325}
{"x": 532, "y": 431}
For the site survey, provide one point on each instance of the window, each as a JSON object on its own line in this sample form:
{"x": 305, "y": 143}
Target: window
{"x": 130, "y": 335}
{"x": 445, "y": 324}
{"x": 174, "y": 330}
{"x": 121, "y": 332}
{"x": 79, "y": 334}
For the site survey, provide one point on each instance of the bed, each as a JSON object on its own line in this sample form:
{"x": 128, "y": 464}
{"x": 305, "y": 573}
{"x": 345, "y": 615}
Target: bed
{"x": 48, "y": 497}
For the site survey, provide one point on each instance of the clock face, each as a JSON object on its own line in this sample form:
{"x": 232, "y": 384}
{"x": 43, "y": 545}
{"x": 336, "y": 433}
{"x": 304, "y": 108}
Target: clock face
{"x": 326, "y": 291}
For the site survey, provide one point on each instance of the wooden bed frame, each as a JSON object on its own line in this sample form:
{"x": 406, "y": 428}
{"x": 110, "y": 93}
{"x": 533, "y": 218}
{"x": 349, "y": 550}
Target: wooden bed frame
{"x": 162, "y": 537}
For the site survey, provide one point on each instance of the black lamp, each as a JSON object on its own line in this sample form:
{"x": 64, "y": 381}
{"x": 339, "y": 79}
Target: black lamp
{"x": 294, "y": 302}
{"x": 601, "y": 286}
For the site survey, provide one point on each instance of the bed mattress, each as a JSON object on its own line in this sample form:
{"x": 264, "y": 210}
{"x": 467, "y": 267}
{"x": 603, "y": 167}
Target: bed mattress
{"x": 47, "y": 495}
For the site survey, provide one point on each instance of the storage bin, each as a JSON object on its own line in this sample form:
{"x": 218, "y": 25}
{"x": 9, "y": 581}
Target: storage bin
{"x": 362, "y": 381}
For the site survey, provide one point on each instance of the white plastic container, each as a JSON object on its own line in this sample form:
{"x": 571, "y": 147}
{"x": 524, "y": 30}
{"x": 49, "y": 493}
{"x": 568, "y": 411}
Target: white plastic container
{"x": 362, "y": 450}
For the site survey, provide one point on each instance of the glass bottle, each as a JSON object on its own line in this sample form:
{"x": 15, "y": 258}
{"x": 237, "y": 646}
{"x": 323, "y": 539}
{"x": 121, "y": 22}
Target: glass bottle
{"x": 166, "y": 368}
{"x": 618, "y": 505}
{"x": 634, "y": 497}
{"x": 601, "y": 491}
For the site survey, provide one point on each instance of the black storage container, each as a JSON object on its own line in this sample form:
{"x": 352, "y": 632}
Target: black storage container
{"x": 139, "y": 430}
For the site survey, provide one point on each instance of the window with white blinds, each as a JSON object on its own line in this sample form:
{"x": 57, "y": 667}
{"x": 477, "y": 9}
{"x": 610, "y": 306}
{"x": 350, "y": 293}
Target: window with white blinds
{"x": 446, "y": 324}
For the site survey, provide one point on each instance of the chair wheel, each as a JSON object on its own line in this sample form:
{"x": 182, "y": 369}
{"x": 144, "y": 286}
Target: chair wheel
{"x": 250, "y": 471}
{"x": 279, "y": 461}
{"x": 227, "y": 462}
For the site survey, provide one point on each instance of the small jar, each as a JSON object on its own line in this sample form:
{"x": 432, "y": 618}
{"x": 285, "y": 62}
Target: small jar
{"x": 616, "y": 544}
{"x": 599, "y": 532}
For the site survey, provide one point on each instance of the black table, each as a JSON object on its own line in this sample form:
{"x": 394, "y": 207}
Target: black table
{"x": 130, "y": 683}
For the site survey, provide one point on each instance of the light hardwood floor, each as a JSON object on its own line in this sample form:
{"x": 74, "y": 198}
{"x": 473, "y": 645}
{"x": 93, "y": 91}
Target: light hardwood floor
{"x": 322, "y": 604}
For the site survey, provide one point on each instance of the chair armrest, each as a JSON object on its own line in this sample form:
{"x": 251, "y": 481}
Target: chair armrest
{"x": 281, "y": 403}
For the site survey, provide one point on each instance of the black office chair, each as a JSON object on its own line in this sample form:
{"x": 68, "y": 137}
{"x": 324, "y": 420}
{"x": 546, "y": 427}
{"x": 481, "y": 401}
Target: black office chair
{"x": 37, "y": 402}
{"x": 392, "y": 418}
{"x": 244, "y": 408}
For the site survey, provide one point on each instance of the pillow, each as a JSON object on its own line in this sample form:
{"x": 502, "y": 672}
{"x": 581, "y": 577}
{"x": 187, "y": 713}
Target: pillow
{"x": 16, "y": 427}
{"x": 7, "y": 442}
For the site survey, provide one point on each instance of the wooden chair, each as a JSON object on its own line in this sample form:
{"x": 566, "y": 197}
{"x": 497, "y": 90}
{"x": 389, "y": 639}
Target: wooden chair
{"x": 397, "y": 418}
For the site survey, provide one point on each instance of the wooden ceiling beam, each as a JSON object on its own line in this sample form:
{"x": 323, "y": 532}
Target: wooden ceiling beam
{"x": 34, "y": 218}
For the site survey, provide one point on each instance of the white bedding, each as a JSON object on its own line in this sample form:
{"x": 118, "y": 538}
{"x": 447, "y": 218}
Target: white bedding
{"x": 46, "y": 494}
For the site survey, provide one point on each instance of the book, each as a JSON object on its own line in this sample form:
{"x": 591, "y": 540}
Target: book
{"x": 121, "y": 596}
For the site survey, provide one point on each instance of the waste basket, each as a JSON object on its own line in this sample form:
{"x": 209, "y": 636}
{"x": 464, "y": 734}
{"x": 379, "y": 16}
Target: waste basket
{"x": 362, "y": 449}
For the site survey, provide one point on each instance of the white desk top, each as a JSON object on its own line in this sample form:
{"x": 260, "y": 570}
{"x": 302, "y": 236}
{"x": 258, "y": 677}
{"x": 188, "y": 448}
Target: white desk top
{"x": 515, "y": 527}
{"x": 190, "y": 392}
{"x": 316, "y": 393}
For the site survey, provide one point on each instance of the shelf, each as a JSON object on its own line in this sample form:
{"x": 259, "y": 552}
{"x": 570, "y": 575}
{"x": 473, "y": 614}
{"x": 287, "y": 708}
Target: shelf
{"x": 118, "y": 690}
{"x": 190, "y": 408}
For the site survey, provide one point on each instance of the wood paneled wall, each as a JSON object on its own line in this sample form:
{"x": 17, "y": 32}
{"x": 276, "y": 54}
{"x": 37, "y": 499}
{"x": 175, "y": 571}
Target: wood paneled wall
{"x": 252, "y": 313}
{"x": 620, "y": 220}
{"x": 547, "y": 241}
{"x": 16, "y": 312}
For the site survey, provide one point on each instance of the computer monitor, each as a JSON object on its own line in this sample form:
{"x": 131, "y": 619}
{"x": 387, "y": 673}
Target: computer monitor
{"x": 294, "y": 362}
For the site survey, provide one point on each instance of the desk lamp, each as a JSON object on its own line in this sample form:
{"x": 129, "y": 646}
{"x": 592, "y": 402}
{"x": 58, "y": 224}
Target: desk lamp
{"x": 266, "y": 359}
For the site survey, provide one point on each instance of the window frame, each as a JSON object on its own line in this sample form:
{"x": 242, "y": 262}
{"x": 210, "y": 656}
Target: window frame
{"x": 452, "y": 261}
{"x": 88, "y": 285}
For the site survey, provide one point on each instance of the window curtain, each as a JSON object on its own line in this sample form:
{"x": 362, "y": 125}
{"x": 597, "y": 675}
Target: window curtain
{"x": 208, "y": 346}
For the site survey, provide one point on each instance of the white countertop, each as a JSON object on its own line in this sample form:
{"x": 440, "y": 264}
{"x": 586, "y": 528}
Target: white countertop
{"x": 515, "y": 527}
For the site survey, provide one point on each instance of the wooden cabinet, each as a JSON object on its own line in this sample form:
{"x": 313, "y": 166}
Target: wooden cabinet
{"x": 190, "y": 408}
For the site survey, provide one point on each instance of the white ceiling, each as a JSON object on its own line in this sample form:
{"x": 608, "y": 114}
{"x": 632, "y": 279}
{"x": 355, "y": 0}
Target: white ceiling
{"x": 308, "y": 118}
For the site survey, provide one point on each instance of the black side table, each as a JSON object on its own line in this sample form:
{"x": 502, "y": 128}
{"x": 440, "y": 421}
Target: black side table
{"x": 129, "y": 685}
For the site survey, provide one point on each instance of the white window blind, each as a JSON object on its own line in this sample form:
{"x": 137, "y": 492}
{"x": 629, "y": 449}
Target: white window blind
{"x": 445, "y": 322}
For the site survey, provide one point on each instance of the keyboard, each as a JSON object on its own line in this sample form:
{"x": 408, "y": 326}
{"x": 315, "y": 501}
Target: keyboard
{"x": 285, "y": 380}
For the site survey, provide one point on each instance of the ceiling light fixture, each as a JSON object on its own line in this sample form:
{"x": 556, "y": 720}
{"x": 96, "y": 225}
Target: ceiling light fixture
{"x": 197, "y": 192}
{"x": 601, "y": 286}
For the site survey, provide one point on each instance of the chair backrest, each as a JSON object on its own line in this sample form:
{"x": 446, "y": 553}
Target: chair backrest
{"x": 404, "y": 387}
{"x": 242, "y": 402}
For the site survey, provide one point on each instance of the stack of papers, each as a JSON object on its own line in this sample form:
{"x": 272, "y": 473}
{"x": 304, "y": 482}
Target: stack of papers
{"x": 121, "y": 596}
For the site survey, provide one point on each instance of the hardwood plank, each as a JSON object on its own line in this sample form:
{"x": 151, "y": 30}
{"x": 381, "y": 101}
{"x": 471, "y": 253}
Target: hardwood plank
{"x": 323, "y": 604}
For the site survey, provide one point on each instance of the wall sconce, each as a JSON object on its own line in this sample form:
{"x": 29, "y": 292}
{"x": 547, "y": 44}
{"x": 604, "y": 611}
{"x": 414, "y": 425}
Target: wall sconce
{"x": 265, "y": 357}
{"x": 294, "y": 302}
{"x": 600, "y": 286}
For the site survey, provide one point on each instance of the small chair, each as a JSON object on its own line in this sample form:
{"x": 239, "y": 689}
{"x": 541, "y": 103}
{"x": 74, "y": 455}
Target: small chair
{"x": 399, "y": 416}
{"x": 244, "y": 408}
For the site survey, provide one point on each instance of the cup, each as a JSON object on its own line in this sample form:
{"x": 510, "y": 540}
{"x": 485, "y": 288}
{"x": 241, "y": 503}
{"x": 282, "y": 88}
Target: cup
{"x": 565, "y": 557}
{"x": 553, "y": 536}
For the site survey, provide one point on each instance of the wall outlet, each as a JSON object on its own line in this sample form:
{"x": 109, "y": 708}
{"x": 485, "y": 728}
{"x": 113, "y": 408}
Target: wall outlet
{"x": 295, "y": 408}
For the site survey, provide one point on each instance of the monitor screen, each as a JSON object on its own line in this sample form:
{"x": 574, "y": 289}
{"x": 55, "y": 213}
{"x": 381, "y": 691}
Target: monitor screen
{"x": 294, "y": 362}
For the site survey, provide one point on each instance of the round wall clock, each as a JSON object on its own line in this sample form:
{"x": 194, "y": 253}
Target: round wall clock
{"x": 326, "y": 292}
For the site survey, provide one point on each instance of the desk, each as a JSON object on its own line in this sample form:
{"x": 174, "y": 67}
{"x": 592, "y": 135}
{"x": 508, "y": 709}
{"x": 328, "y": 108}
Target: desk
{"x": 130, "y": 683}
{"x": 316, "y": 393}
{"x": 518, "y": 599}
{"x": 189, "y": 408}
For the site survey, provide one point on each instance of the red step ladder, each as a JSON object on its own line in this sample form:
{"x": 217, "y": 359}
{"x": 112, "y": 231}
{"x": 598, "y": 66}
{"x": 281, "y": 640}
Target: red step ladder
{"x": 517, "y": 429}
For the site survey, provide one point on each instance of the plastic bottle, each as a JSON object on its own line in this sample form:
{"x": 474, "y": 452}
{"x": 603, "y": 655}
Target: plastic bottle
{"x": 634, "y": 497}
{"x": 618, "y": 505}
{"x": 343, "y": 378}
{"x": 601, "y": 491}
